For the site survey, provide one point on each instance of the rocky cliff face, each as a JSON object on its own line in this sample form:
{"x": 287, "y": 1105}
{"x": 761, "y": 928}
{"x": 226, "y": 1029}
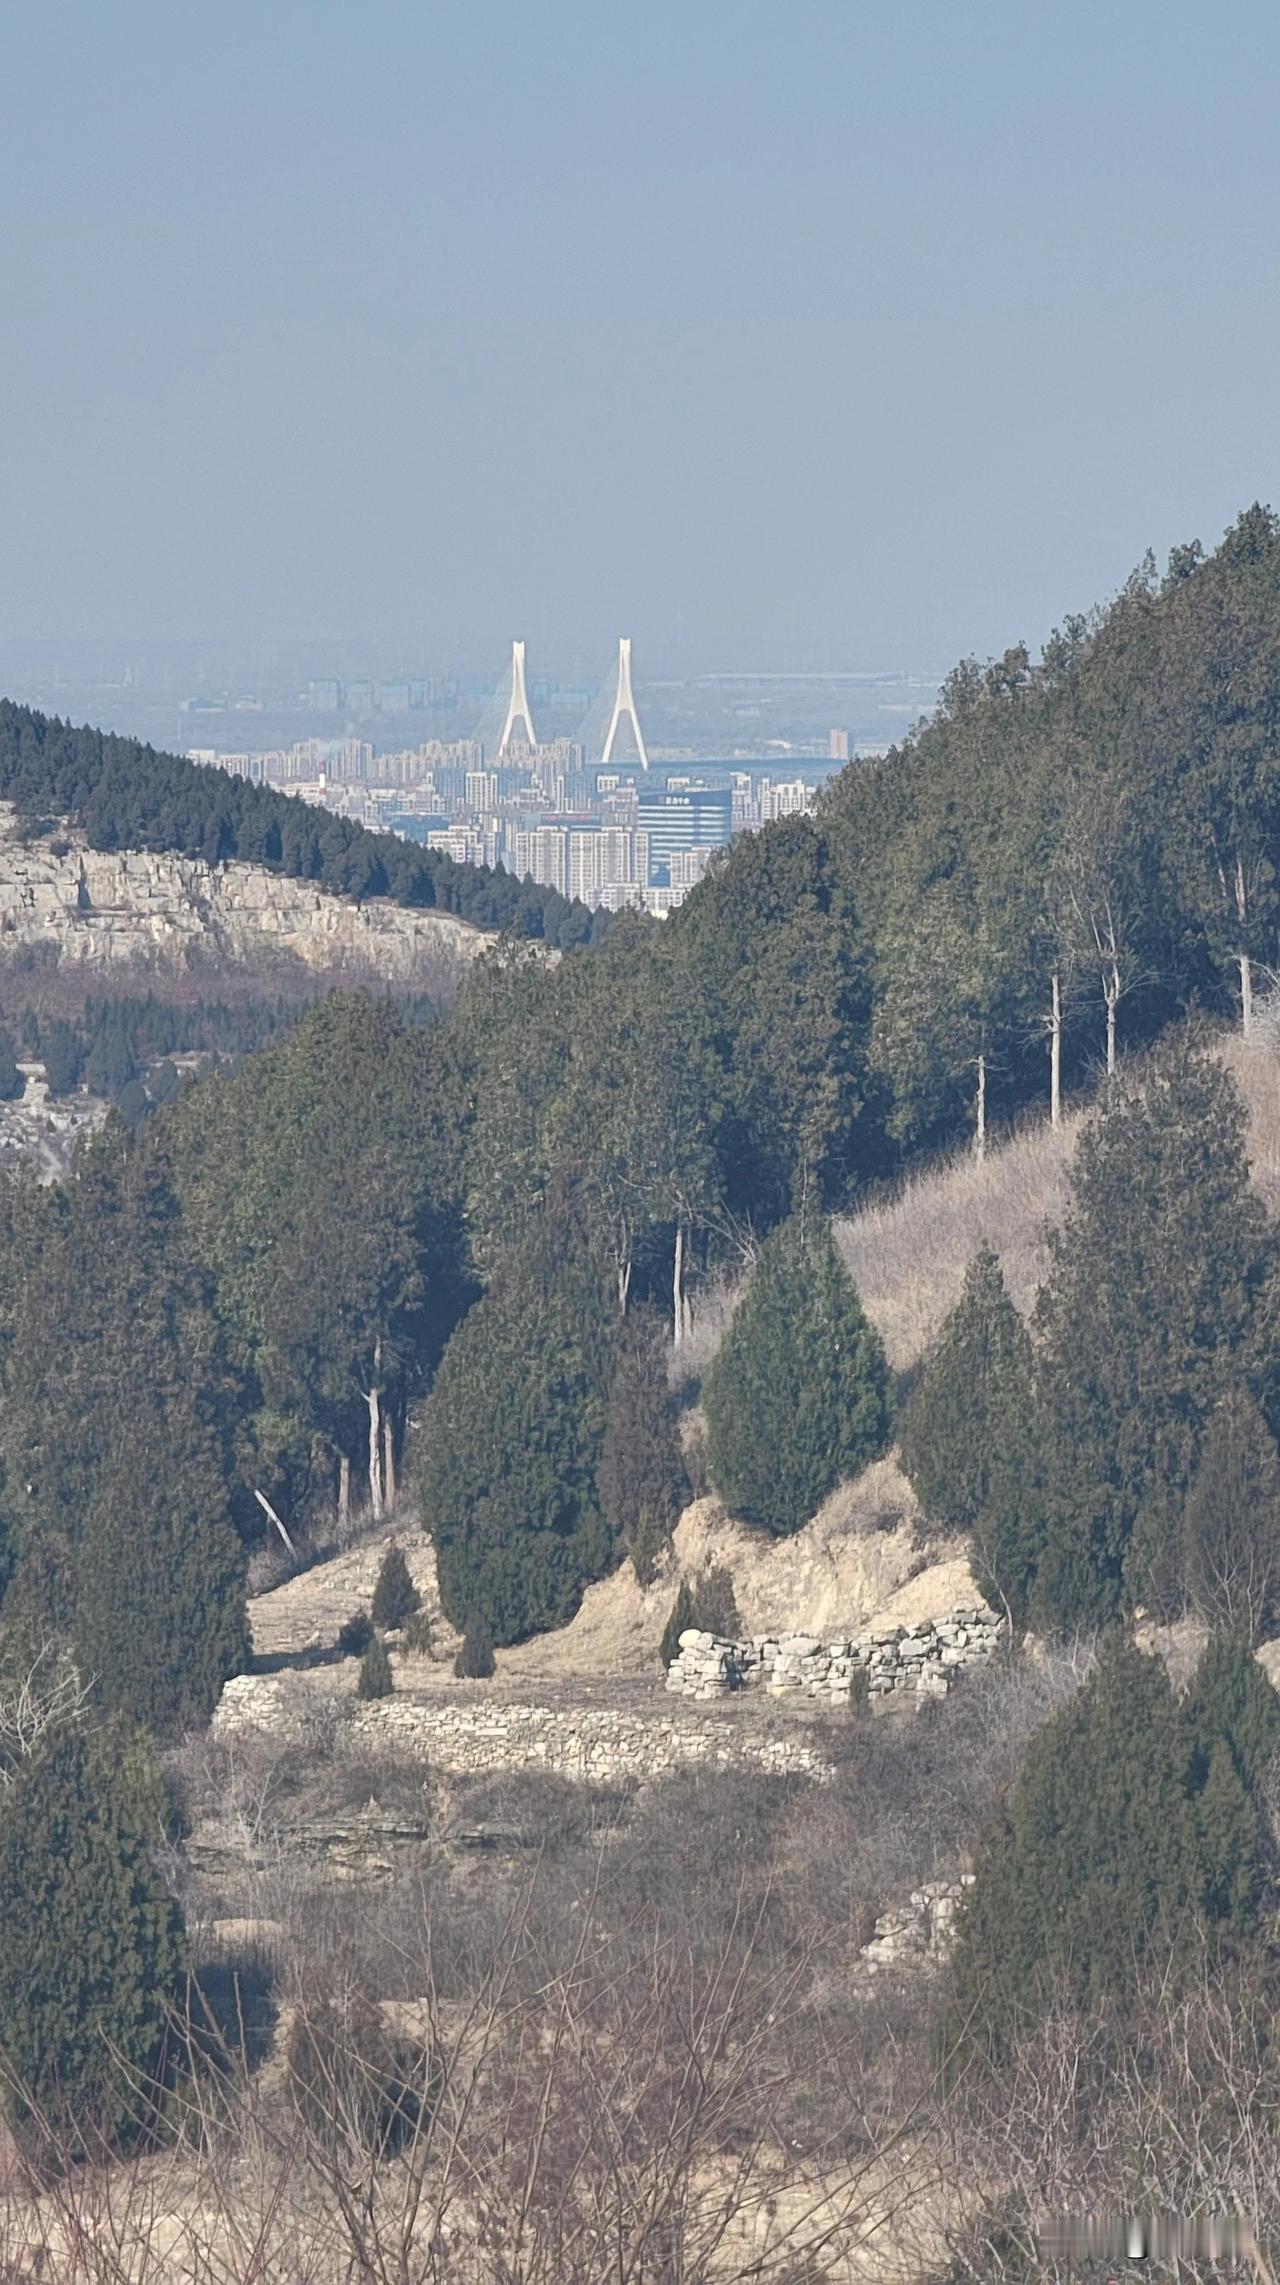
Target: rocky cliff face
{"x": 104, "y": 906}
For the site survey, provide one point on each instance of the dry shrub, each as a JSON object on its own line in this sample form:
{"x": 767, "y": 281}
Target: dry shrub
{"x": 1165, "y": 2110}
{"x": 1254, "y": 1064}
{"x": 579, "y": 2119}
{"x": 908, "y": 1254}
{"x": 360, "y": 2088}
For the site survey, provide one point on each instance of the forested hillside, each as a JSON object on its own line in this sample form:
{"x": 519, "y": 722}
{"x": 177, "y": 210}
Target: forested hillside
{"x": 464, "y": 1244}
{"x": 124, "y": 795}
{"x": 1073, "y": 853}
{"x": 1075, "y": 847}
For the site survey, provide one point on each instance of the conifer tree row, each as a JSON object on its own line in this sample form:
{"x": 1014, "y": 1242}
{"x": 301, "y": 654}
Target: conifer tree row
{"x": 1121, "y": 1457}
{"x": 125, "y": 795}
{"x": 1135, "y": 1837}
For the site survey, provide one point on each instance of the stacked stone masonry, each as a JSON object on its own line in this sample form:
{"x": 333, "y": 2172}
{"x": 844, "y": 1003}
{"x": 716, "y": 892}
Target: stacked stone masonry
{"x": 923, "y": 1659}
{"x": 920, "y": 1932}
{"x": 599, "y": 1745}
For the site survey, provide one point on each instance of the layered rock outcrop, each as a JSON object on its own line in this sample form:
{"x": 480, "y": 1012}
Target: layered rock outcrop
{"x": 103, "y": 906}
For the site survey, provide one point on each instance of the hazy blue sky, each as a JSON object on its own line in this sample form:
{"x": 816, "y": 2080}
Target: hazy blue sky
{"x": 768, "y": 331}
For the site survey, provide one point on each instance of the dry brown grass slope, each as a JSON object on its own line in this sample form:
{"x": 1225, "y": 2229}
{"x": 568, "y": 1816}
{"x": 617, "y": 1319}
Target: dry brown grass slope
{"x": 908, "y": 1255}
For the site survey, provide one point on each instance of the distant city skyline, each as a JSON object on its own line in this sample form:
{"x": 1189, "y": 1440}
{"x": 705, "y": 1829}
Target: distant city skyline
{"x": 176, "y": 696}
{"x": 611, "y": 834}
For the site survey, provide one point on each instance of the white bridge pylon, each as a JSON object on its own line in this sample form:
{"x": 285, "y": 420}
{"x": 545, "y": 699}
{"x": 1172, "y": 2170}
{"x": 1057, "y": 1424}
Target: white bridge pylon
{"x": 624, "y": 707}
{"x": 517, "y": 706}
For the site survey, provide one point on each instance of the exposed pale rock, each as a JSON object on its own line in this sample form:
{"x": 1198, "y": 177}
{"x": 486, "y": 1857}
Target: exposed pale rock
{"x": 596, "y": 1743}
{"x": 922, "y": 1657}
{"x": 99, "y": 906}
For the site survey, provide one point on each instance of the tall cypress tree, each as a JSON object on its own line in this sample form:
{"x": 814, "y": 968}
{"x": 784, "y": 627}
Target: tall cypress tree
{"x": 1093, "y": 1867}
{"x": 1231, "y": 1703}
{"x": 92, "y": 1958}
{"x": 798, "y": 1395}
{"x": 511, "y": 1441}
{"x": 1136, "y": 1832}
{"x": 1231, "y": 1522}
{"x": 642, "y": 1479}
{"x": 118, "y": 1416}
{"x": 1231, "y": 1732}
{"x": 1147, "y": 1318}
{"x": 970, "y": 1403}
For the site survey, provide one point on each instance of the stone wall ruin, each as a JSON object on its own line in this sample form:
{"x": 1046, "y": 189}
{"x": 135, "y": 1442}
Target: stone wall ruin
{"x": 922, "y": 1659}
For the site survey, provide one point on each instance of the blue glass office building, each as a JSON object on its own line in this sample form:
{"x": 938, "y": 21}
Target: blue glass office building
{"x": 697, "y": 818}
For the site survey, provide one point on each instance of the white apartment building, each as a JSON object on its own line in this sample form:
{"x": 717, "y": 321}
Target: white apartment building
{"x": 466, "y": 844}
{"x": 585, "y": 881}
{"x": 793, "y": 799}
{"x": 687, "y": 868}
{"x": 540, "y": 854}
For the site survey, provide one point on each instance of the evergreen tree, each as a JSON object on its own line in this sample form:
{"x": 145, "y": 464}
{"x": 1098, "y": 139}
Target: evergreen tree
{"x": 375, "y": 1678}
{"x": 511, "y": 1438}
{"x": 63, "y": 1054}
{"x": 1148, "y": 1317}
{"x": 1231, "y": 1522}
{"x": 111, "y": 1062}
{"x": 1229, "y": 1835}
{"x": 92, "y": 1960}
{"x": 118, "y": 1417}
{"x": 684, "y": 1615}
{"x": 475, "y": 1660}
{"x": 773, "y": 951}
{"x": 12, "y": 1082}
{"x": 1095, "y": 1866}
{"x": 1232, "y": 1704}
{"x": 395, "y": 1598}
{"x": 416, "y": 1635}
{"x": 1231, "y": 1731}
{"x": 164, "y": 1082}
{"x": 134, "y": 1104}
{"x": 637, "y": 1115}
{"x": 798, "y": 1396}
{"x": 971, "y": 1401}
{"x": 642, "y": 1481}
{"x": 355, "y": 1635}
{"x": 339, "y": 1145}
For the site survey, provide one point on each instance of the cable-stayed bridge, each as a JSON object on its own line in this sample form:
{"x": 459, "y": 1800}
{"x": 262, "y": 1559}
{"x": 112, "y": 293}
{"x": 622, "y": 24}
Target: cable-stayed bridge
{"x": 608, "y": 732}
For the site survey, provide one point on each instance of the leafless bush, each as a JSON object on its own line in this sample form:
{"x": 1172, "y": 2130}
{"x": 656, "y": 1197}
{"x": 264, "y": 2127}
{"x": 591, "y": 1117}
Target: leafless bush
{"x": 911, "y": 1793}
{"x": 568, "y": 2120}
{"x": 44, "y": 1694}
{"x": 1171, "y": 2109}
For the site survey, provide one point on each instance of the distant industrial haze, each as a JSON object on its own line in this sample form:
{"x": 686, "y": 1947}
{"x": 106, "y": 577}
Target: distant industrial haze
{"x": 262, "y": 696}
{"x": 805, "y": 337}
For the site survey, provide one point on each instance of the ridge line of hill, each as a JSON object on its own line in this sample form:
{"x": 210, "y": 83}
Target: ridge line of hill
{"x": 123, "y": 794}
